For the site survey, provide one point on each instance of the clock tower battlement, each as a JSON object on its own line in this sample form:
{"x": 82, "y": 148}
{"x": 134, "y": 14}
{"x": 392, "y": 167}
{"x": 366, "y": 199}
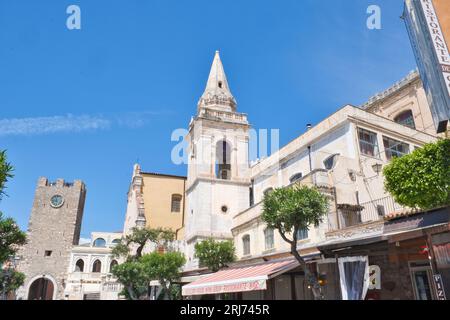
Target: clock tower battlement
{"x": 54, "y": 228}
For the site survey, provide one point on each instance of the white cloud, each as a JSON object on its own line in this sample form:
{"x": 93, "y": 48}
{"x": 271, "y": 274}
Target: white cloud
{"x": 54, "y": 124}
{"x": 73, "y": 123}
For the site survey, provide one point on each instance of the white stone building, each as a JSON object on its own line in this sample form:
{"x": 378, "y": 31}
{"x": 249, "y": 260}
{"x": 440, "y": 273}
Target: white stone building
{"x": 89, "y": 274}
{"x": 343, "y": 155}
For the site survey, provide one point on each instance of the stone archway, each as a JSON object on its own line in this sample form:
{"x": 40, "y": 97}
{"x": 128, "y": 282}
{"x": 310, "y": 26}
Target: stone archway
{"x": 41, "y": 289}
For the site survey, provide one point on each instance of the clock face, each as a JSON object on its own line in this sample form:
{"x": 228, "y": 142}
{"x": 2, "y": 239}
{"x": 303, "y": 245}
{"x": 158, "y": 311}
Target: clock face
{"x": 56, "y": 201}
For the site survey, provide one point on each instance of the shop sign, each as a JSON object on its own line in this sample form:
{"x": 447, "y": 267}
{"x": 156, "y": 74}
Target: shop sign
{"x": 374, "y": 277}
{"x": 225, "y": 288}
{"x": 437, "y": 37}
{"x": 440, "y": 293}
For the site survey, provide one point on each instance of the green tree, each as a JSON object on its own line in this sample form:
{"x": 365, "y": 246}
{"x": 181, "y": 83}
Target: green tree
{"x": 164, "y": 267}
{"x": 421, "y": 179}
{"x": 11, "y": 237}
{"x": 215, "y": 254}
{"x": 291, "y": 209}
{"x": 11, "y": 281}
{"x": 133, "y": 277}
{"x": 5, "y": 172}
{"x": 133, "y": 274}
{"x": 139, "y": 238}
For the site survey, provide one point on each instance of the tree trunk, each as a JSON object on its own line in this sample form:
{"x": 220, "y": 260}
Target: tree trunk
{"x": 309, "y": 276}
{"x": 166, "y": 289}
{"x": 131, "y": 293}
{"x": 139, "y": 251}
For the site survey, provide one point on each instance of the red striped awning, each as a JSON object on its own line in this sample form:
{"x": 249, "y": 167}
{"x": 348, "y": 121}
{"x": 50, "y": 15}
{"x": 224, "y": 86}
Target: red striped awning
{"x": 239, "y": 279}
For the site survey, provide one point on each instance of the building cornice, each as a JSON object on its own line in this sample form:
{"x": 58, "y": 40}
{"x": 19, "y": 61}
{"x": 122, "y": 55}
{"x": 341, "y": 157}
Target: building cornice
{"x": 240, "y": 182}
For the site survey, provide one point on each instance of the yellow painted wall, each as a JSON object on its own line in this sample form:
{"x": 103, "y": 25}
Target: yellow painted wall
{"x": 442, "y": 8}
{"x": 157, "y": 193}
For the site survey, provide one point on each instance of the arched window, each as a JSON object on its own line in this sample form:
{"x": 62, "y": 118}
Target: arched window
{"x": 176, "y": 203}
{"x": 406, "y": 118}
{"x": 267, "y": 191}
{"x": 246, "y": 244}
{"x": 115, "y": 241}
{"x": 268, "y": 238}
{"x": 295, "y": 177}
{"x": 99, "y": 242}
{"x": 330, "y": 162}
{"x": 223, "y": 160}
{"x": 112, "y": 265}
{"x": 79, "y": 266}
{"x": 97, "y": 266}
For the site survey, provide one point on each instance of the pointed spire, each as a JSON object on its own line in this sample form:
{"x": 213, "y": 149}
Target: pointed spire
{"x": 217, "y": 93}
{"x": 217, "y": 78}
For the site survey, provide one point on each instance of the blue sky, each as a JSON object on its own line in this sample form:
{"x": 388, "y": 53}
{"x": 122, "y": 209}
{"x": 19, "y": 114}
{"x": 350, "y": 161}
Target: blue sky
{"x": 86, "y": 104}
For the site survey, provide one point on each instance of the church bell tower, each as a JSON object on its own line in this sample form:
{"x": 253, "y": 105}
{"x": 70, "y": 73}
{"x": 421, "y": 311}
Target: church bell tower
{"x": 218, "y": 170}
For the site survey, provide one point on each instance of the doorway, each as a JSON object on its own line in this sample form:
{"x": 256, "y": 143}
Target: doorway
{"x": 41, "y": 289}
{"x": 421, "y": 278}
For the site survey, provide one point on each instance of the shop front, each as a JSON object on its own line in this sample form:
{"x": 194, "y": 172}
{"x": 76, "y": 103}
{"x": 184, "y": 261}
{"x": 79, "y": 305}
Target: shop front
{"x": 280, "y": 279}
{"x": 408, "y": 261}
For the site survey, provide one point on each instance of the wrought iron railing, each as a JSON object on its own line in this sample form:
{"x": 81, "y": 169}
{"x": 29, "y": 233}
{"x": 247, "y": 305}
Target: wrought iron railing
{"x": 371, "y": 211}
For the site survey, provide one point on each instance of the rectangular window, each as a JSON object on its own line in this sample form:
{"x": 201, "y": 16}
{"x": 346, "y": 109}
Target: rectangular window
{"x": 176, "y": 203}
{"x": 269, "y": 240}
{"x": 246, "y": 244}
{"x": 251, "y": 196}
{"x": 47, "y": 253}
{"x": 394, "y": 148}
{"x": 368, "y": 143}
{"x": 302, "y": 234}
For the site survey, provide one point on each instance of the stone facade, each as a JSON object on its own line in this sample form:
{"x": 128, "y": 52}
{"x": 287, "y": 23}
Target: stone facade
{"x": 351, "y": 179}
{"x": 343, "y": 155}
{"x": 53, "y": 230}
{"x": 395, "y": 278}
{"x": 329, "y": 155}
{"x": 89, "y": 274}
{"x": 218, "y": 173}
{"x": 407, "y": 95}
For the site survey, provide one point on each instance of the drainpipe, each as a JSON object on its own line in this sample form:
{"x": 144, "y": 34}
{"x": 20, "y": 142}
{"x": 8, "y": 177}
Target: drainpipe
{"x": 182, "y": 214}
{"x": 313, "y": 178}
{"x": 309, "y": 156}
{"x": 338, "y": 225}
{"x": 308, "y": 127}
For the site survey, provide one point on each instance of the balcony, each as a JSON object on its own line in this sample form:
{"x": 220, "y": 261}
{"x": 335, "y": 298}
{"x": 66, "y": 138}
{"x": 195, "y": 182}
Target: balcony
{"x": 350, "y": 215}
{"x": 224, "y": 115}
{"x": 90, "y": 277}
{"x": 247, "y": 215}
{"x": 317, "y": 177}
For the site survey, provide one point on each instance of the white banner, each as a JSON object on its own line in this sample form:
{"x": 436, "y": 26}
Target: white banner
{"x": 437, "y": 37}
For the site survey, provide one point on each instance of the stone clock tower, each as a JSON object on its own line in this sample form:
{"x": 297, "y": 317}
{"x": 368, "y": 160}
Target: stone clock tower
{"x": 218, "y": 171}
{"x": 53, "y": 229}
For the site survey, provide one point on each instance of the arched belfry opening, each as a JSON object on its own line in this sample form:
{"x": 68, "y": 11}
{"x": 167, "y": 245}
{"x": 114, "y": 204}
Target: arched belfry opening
{"x": 223, "y": 160}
